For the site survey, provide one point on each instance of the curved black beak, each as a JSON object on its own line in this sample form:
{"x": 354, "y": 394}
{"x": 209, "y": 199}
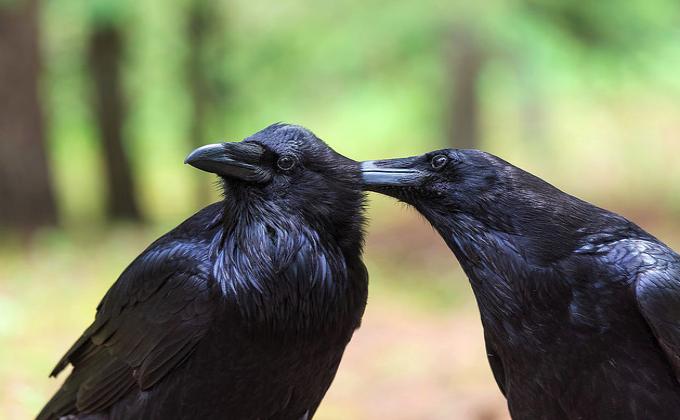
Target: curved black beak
{"x": 391, "y": 173}
{"x": 238, "y": 160}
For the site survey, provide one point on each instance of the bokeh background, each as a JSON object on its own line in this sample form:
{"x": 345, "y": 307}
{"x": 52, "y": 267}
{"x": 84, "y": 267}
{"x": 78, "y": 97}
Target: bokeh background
{"x": 100, "y": 101}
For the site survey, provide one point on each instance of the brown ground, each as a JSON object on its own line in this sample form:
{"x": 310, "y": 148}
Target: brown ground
{"x": 404, "y": 366}
{"x": 420, "y": 352}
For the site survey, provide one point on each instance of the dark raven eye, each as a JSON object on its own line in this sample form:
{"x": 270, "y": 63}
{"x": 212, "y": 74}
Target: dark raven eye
{"x": 286, "y": 162}
{"x": 439, "y": 161}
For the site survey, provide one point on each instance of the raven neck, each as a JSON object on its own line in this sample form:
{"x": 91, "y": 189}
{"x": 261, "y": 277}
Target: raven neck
{"x": 284, "y": 279}
{"x": 503, "y": 276}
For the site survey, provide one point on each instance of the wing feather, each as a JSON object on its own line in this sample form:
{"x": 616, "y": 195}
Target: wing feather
{"x": 657, "y": 291}
{"x": 148, "y": 323}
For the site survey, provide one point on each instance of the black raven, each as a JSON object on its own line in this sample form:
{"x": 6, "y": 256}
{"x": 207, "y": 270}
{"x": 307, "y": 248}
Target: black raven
{"x": 244, "y": 310}
{"x": 580, "y": 307}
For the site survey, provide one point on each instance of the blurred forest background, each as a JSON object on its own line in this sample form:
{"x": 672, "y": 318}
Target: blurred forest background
{"x": 101, "y": 100}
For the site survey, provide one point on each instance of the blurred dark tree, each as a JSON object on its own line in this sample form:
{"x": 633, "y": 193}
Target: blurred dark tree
{"x": 26, "y": 196}
{"x": 105, "y": 58}
{"x": 465, "y": 61}
{"x": 206, "y": 39}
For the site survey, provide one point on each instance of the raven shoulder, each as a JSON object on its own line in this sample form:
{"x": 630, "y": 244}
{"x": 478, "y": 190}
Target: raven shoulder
{"x": 653, "y": 270}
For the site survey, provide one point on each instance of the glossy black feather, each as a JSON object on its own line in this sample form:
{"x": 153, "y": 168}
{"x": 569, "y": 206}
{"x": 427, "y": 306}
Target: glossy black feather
{"x": 580, "y": 307}
{"x": 242, "y": 312}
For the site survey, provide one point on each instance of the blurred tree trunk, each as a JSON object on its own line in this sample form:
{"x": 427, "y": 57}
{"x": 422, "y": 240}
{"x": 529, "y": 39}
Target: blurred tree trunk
{"x": 197, "y": 81}
{"x": 105, "y": 60}
{"x": 204, "y": 74}
{"x": 532, "y": 102}
{"x": 26, "y": 196}
{"x": 465, "y": 61}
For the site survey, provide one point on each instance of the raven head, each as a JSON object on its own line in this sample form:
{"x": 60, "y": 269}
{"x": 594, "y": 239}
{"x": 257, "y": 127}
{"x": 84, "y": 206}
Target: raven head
{"x": 468, "y": 193}
{"x": 445, "y": 181}
{"x": 288, "y": 170}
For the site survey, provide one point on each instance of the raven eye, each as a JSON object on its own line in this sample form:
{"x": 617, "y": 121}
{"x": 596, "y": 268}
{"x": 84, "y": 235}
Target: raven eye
{"x": 286, "y": 162}
{"x": 439, "y": 161}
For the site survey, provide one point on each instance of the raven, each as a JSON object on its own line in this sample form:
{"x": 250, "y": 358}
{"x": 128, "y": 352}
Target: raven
{"x": 244, "y": 310}
{"x": 580, "y": 307}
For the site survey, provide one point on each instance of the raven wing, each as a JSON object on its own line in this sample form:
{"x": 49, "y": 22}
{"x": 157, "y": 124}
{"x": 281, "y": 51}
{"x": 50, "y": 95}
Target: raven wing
{"x": 657, "y": 291}
{"x": 147, "y": 324}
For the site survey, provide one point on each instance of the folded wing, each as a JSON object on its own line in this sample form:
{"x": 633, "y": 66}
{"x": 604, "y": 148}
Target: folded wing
{"x": 148, "y": 323}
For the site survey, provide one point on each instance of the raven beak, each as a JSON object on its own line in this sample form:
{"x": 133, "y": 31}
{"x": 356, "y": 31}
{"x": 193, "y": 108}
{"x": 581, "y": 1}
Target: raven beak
{"x": 390, "y": 173}
{"x": 238, "y": 160}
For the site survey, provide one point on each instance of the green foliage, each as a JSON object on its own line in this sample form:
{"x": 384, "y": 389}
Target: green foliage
{"x": 371, "y": 78}
{"x": 609, "y": 25}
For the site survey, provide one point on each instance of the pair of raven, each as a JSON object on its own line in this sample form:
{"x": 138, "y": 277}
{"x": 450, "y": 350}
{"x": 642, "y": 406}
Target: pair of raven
{"x": 244, "y": 310}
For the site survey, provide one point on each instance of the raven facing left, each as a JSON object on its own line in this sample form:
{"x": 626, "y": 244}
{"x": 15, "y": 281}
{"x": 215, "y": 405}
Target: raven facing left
{"x": 580, "y": 307}
{"x": 244, "y": 310}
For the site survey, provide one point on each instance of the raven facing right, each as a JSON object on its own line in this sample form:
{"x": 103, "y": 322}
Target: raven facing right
{"x": 244, "y": 310}
{"x": 580, "y": 307}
